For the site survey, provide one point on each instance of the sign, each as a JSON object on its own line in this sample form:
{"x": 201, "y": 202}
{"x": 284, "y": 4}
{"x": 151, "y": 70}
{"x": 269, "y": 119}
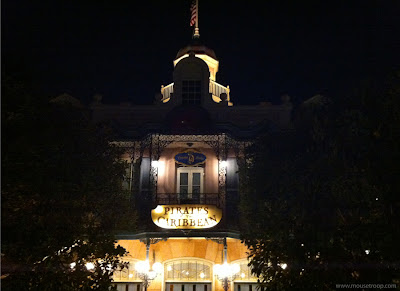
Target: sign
{"x": 190, "y": 158}
{"x": 192, "y": 216}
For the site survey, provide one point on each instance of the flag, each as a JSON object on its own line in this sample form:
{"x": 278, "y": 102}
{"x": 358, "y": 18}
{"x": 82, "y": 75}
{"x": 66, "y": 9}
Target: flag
{"x": 193, "y": 9}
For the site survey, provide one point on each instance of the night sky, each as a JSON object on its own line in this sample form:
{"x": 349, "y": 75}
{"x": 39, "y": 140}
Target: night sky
{"x": 124, "y": 50}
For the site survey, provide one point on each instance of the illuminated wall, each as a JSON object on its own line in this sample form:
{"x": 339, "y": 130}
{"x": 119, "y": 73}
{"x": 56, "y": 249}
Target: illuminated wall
{"x": 195, "y": 249}
{"x": 167, "y": 171}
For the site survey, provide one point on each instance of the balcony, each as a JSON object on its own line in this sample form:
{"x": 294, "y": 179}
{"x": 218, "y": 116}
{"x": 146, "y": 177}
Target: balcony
{"x": 214, "y": 88}
{"x": 217, "y": 89}
{"x": 166, "y": 92}
{"x": 184, "y": 198}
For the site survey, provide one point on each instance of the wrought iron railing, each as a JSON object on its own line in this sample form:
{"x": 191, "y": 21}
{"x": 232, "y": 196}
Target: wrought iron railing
{"x": 193, "y": 198}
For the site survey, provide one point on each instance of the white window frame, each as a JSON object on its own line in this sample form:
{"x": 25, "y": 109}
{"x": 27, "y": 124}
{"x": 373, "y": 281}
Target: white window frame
{"x": 190, "y": 171}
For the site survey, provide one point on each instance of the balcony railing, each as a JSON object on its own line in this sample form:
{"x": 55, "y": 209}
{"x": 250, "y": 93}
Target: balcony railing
{"x": 184, "y": 198}
{"x": 214, "y": 88}
{"x": 166, "y": 92}
{"x": 217, "y": 89}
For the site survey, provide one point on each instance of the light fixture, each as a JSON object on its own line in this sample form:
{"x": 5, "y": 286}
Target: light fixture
{"x": 89, "y": 266}
{"x": 154, "y": 164}
{"x": 223, "y": 164}
{"x": 283, "y": 266}
{"x": 147, "y": 272}
{"x": 159, "y": 209}
{"x": 226, "y": 273}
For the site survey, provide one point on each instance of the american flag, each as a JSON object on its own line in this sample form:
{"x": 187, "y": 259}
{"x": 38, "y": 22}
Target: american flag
{"x": 193, "y": 9}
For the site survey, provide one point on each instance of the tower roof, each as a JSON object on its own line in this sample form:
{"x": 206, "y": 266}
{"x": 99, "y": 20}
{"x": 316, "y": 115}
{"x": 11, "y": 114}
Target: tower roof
{"x": 196, "y": 47}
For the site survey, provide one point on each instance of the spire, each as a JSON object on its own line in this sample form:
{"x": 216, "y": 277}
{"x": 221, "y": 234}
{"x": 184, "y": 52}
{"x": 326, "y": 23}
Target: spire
{"x": 194, "y": 18}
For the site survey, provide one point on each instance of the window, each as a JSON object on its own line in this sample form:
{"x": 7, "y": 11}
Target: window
{"x": 245, "y": 272}
{"x": 127, "y": 274}
{"x": 191, "y": 92}
{"x": 187, "y": 270}
{"x": 190, "y": 182}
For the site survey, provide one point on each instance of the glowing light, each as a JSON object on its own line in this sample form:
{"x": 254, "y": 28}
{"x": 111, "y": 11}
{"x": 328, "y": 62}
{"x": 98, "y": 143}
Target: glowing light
{"x": 142, "y": 266}
{"x": 89, "y": 266}
{"x": 169, "y": 268}
{"x": 226, "y": 270}
{"x": 376, "y": 199}
{"x": 157, "y": 267}
{"x": 283, "y": 266}
{"x": 159, "y": 209}
{"x": 223, "y": 164}
{"x": 367, "y": 252}
{"x": 154, "y": 164}
{"x": 144, "y": 270}
{"x": 202, "y": 275}
{"x": 242, "y": 275}
{"x": 72, "y": 265}
{"x": 130, "y": 275}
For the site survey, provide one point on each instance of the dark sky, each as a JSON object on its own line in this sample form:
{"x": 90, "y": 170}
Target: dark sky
{"x": 124, "y": 49}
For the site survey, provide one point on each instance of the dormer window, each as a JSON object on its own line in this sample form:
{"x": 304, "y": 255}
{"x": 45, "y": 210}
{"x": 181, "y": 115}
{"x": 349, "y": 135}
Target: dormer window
{"x": 191, "y": 92}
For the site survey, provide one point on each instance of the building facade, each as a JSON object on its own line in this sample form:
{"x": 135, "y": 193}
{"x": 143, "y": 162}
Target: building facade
{"x": 185, "y": 152}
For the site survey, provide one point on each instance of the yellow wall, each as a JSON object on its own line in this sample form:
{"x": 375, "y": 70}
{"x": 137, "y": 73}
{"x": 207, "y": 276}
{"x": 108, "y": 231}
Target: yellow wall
{"x": 176, "y": 248}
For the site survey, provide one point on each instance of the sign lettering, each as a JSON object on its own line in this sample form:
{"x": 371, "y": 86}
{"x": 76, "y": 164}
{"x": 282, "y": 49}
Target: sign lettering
{"x": 186, "y": 216}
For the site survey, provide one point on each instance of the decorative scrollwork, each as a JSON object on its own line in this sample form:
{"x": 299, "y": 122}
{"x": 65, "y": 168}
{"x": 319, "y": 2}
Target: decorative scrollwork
{"x": 152, "y": 240}
{"x": 218, "y": 240}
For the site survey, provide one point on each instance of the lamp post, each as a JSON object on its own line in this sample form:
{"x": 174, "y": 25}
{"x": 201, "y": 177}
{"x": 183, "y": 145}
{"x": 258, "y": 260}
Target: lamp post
{"x": 146, "y": 272}
{"x": 226, "y": 273}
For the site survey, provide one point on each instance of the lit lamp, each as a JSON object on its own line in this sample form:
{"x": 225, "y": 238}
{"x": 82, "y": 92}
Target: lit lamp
{"x": 146, "y": 272}
{"x": 226, "y": 273}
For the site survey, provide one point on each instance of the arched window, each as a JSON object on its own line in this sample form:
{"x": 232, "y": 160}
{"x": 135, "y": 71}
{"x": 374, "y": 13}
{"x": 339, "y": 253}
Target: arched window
{"x": 193, "y": 270}
{"x": 127, "y": 274}
{"x": 245, "y": 271}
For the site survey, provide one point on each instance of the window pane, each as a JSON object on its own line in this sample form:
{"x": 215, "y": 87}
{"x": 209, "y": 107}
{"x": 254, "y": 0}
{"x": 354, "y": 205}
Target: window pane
{"x": 196, "y": 179}
{"x": 191, "y": 92}
{"x": 187, "y": 270}
{"x": 184, "y": 179}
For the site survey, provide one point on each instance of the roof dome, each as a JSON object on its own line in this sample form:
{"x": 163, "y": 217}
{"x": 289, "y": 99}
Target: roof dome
{"x": 196, "y": 47}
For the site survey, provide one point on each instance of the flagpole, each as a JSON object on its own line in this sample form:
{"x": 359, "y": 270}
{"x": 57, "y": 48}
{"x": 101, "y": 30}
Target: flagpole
{"x": 196, "y": 29}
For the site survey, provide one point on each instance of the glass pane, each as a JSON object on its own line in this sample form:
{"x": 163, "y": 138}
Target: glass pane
{"x": 187, "y": 270}
{"x": 196, "y": 179}
{"x": 183, "y": 189}
{"x": 196, "y": 189}
{"x": 184, "y": 179}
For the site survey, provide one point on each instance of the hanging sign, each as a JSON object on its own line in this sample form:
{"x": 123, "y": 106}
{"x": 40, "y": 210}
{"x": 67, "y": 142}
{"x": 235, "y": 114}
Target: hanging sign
{"x": 190, "y": 158}
{"x": 189, "y": 216}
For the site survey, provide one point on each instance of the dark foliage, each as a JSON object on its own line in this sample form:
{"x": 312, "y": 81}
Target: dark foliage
{"x": 62, "y": 198}
{"x": 323, "y": 199}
